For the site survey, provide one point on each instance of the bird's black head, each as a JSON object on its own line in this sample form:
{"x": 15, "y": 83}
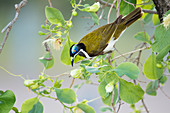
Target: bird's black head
{"x": 77, "y": 49}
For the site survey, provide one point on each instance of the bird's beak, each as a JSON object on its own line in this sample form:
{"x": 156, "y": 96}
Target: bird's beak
{"x": 72, "y": 60}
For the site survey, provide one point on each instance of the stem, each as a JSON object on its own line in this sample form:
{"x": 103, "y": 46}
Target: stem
{"x": 93, "y": 99}
{"x": 130, "y": 53}
{"x": 72, "y": 83}
{"x": 108, "y": 17}
{"x": 145, "y": 106}
{"x": 12, "y": 73}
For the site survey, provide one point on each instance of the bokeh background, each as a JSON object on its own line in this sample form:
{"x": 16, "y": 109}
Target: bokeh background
{"x": 24, "y": 47}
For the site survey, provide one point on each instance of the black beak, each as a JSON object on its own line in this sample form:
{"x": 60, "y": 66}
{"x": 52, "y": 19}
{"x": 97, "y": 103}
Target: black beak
{"x": 72, "y": 61}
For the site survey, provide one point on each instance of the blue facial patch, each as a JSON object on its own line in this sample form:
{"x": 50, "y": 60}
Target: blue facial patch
{"x": 74, "y": 49}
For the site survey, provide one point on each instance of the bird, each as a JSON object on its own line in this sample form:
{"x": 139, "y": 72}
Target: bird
{"x": 102, "y": 39}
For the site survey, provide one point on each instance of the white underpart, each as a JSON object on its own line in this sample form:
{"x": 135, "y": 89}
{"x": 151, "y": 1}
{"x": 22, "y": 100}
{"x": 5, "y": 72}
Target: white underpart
{"x": 112, "y": 43}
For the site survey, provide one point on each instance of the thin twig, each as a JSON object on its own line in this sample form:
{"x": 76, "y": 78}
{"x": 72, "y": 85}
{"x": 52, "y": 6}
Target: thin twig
{"x": 164, "y": 93}
{"x": 8, "y": 27}
{"x": 120, "y": 103}
{"x": 129, "y": 53}
{"x": 129, "y": 3}
{"x": 132, "y": 53}
{"x": 5, "y": 38}
{"x": 72, "y": 83}
{"x": 120, "y": 53}
{"x": 118, "y": 8}
{"x": 113, "y": 104}
{"x": 145, "y": 106}
{"x": 11, "y": 73}
{"x": 108, "y": 16}
{"x": 149, "y": 11}
{"x": 49, "y": 1}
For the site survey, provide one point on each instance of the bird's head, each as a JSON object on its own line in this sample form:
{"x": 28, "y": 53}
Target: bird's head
{"x": 77, "y": 49}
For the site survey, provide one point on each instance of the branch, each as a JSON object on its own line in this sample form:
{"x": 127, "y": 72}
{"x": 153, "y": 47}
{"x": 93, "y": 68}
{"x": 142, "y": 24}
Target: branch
{"x": 129, "y": 53}
{"x": 72, "y": 83}
{"x": 164, "y": 93}
{"x": 162, "y": 6}
{"x": 145, "y": 106}
{"x": 8, "y": 27}
{"x": 109, "y": 5}
{"x": 110, "y": 11}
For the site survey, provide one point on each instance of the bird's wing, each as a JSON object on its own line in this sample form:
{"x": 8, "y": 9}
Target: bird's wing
{"x": 97, "y": 40}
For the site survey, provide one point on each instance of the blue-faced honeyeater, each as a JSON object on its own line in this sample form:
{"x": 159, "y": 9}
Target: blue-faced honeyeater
{"x": 102, "y": 39}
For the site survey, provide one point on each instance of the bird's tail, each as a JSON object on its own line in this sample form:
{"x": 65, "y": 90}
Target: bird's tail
{"x": 124, "y": 22}
{"x": 132, "y": 17}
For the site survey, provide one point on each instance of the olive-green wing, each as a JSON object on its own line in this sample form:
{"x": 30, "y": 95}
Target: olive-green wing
{"x": 97, "y": 40}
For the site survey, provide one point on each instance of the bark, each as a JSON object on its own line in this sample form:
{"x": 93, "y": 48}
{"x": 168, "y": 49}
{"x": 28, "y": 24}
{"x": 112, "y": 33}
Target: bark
{"x": 162, "y": 6}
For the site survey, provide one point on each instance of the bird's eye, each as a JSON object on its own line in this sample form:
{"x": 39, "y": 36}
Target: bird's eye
{"x": 74, "y": 49}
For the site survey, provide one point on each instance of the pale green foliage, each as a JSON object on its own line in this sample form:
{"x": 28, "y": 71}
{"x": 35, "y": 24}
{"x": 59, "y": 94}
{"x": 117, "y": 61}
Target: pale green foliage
{"x": 7, "y": 100}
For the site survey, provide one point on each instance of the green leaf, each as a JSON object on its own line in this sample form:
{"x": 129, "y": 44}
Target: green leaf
{"x": 150, "y": 70}
{"x": 7, "y": 100}
{"x": 92, "y": 69}
{"x": 155, "y": 19}
{"x": 103, "y": 71}
{"x": 57, "y": 83}
{"x": 101, "y": 88}
{"x": 104, "y": 109}
{"x": 37, "y": 108}
{"x": 162, "y": 39}
{"x": 94, "y": 8}
{"x": 66, "y": 95}
{"x": 108, "y": 99}
{"x": 163, "y": 53}
{"x": 152, "y": 87}
{"x": 47, "y": 63}
{"x": 127, "y": 68}
{"x": 86, "y": 108}
{"x": 85, "y": 62}
{"x": 42, "y": 33}
{"x": 95, "y": 18}
{"x": 163, "y": 79}
{"x": 147, "y": 18}
{"x": 111, "y": 76}
{"x": 129, "y": 92}
{"x": 142, "y": 36}
{"x": 54, "y": 16}
{"x": 65, "y": 55}
{"x": 126, "y": 8}
{"x": 32, "y": 105}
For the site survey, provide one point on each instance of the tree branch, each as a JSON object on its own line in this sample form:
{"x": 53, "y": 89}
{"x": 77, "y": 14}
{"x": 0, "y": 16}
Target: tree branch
{"x": 162, "y": 6}
{"x": 8, "y": 27}
{"x": 145, "y": 106}
{"x": 129, "y": 53}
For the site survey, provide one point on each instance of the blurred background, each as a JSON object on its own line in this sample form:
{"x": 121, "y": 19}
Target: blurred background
{"x": 24, "y": 47}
